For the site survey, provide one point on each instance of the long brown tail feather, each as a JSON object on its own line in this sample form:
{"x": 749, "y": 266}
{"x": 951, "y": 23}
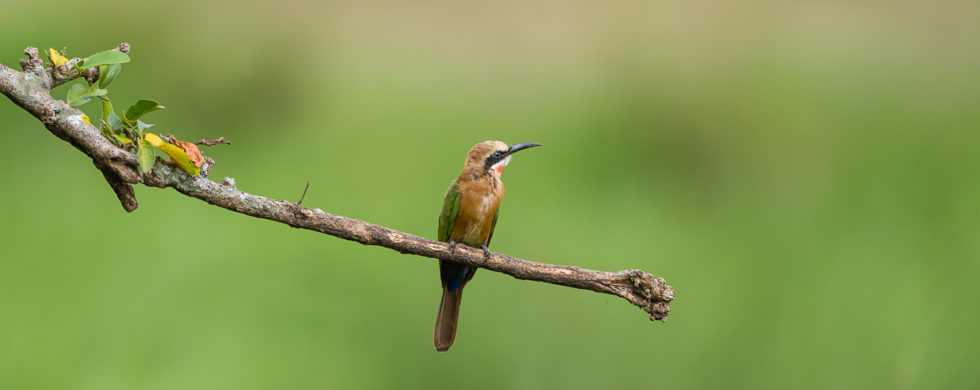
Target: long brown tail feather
{"x": 445, "y": 333}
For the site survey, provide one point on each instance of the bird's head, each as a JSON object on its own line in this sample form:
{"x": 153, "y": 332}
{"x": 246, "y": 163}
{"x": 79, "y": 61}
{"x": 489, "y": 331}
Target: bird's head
{"x": 492, "y": 157}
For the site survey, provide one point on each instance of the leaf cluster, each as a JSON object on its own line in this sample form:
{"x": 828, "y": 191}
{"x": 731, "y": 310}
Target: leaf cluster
{"x": 127, "y": 130}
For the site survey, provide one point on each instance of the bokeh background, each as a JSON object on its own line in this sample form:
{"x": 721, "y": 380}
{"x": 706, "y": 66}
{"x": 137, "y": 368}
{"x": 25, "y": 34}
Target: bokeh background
{"x": 804, "y": 174}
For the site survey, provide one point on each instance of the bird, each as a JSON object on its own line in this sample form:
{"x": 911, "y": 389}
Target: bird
{"x": 469, "y": 215}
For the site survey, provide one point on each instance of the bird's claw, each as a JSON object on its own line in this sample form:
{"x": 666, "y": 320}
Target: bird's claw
{"x": 452, "y": 247}
{"x": 486, "y": 252}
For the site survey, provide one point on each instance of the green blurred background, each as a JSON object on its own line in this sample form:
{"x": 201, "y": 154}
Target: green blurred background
{"x": 805, "y": 176}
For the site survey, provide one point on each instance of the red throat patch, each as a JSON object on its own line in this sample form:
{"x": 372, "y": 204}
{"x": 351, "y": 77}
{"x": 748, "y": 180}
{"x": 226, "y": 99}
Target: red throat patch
{"x": 499, "y": 169}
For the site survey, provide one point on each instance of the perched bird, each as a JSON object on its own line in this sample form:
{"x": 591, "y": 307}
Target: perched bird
{"x": 469, "y": 214}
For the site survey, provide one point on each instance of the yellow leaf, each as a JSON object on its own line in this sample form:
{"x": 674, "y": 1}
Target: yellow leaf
{"x": 86, "y": 120}
{"x": 154, "y": 140}
{"x": 56, "y": 58}
{"x": 123, "y": 139}
{"x": 177, "y": 155}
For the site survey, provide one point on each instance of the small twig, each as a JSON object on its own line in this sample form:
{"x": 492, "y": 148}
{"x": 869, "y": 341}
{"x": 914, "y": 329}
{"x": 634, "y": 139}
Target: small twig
{"x": 304, "y": 193}
{"x": 220, "y": 140}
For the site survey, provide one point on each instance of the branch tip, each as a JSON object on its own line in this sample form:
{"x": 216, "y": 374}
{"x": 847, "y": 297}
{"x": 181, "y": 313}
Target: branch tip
{"x": 220, "y": 140}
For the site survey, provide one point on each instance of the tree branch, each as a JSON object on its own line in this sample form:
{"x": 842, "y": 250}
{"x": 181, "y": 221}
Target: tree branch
{"x": 31, "y": 91}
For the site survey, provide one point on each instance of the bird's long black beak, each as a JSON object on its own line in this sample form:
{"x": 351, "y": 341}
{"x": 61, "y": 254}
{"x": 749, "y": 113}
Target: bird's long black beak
{"x": 518, "y": 147}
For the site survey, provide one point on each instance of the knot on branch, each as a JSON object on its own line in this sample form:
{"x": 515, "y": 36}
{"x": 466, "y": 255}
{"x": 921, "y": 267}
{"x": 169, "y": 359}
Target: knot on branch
{"x": 33, "y": 60}
{"x": 653, "y": 293}
{"x": 91, "y": 75}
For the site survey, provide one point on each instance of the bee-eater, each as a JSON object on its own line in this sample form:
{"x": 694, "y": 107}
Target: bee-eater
{"x": 469, "y": 214}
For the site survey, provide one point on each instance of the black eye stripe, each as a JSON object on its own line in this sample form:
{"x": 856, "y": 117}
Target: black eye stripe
{"x": 493, "y": 158}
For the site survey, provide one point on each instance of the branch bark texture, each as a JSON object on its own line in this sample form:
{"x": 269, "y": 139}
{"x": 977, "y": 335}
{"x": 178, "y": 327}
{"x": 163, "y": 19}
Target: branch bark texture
{"x": 31, "y": 88}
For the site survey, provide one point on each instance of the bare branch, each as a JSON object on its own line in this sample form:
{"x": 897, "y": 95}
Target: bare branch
{"x": 220, "y": 140}
{"x": 31, "y": 90}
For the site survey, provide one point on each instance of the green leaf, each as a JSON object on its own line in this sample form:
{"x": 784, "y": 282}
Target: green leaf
{"x": 107, "y": 57}
{"x": 77, "y": 95}
{"x": 140, "y": 108}
{"x": 115, "y": 123}
{"x": 97, "y": 91}
{"x": 140, "y": 126}
{"x": 106, "y": 109}
{"x": 107, "y": 73}
{"x": 145, "y": 155}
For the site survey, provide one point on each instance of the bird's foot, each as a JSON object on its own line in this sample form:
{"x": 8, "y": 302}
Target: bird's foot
{"x": 486, "y": 252}
{"x": 452, "y": 247}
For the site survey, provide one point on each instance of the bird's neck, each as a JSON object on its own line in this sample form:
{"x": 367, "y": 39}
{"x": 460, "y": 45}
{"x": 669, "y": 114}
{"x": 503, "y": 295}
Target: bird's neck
{"x": 479, "y": 177}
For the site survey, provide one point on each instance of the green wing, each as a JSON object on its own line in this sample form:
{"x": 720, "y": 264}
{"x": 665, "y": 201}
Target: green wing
{"x": 493, "y": 225}
{"x": 450, "y": 206}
